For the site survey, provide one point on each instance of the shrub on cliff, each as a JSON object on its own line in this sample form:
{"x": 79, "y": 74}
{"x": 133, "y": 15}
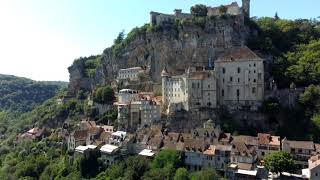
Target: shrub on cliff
{"x": 199, "y": 10}
{"x": 104, "y": 95}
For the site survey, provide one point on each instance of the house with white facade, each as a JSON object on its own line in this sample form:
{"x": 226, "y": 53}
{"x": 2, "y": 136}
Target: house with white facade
{"x": 137, "y": 109}
{"x": 241, "y": 78}
{"x": 237, "y": 82}
{"x": 194, "y": 89}
{"x": 130, "y": 73}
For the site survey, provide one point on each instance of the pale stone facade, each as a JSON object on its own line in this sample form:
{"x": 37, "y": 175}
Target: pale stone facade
{"x": 137, "y": 109}
{"x": 194, "y": 89}
{"x": 241, "y": 78}
{"x": 130, "y": 73}
{"x": 231, "y": 9}
{"x": 236, "y": 82}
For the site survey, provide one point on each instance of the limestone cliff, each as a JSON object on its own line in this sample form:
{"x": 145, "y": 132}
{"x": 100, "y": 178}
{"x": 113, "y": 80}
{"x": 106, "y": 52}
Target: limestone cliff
{"x": 176, "y": 45}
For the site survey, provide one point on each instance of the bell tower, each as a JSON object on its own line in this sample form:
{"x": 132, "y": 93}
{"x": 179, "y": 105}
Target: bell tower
{"x": 246, "y": 8}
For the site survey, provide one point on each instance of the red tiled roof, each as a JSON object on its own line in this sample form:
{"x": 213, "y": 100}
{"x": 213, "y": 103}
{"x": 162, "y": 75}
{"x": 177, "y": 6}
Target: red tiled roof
{"x": 238, "y": 54}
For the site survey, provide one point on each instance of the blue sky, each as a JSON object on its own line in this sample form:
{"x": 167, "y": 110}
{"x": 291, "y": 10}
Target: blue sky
{"x": 39, "y": 39}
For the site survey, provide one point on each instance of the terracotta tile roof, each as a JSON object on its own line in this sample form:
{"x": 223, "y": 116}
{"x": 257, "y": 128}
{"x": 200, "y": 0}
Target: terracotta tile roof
{"x": 225, "y": 137}
{"x": 210, "y": 151}
{"x": 238, "y": 54}
{"x": 243, "y": 149}
{"x": 172, "y": 136}
{"x": 223, "y": 147}
{"x": 267, "y": 139}
{"x": 301, "y": 144}
{"x": 185, "y": 136}
{"x": 87, "y": 124}
{"x": 195, "y": 145}
{"x": 155, "y": 141}
{"x": 80, "y": 134}
{"x": 95, "y": 130}
{"x": 174, "y": 146}
{"x": 248, "y": 140}
{"x": 104, "y": 136}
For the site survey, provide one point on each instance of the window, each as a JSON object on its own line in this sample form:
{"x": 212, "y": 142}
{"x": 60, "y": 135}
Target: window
{"x": 239, "y": 70}
{"x": 208, "y": 85}
{"x": 238, "y": 92}
{"x": 254, "y": 80}
{"x": 253, "y": 90}
{"x": 254, "y": 64}
{"x": 254, "y": 71}
{"x": 230, "y": 78}
{"x": 262, "y": 153}
{"x": 223, "y": 70}
{"x": 198, "y": 85}
{"x": 222, "y": 92}
{"x": 238, "y": 80}
{"x": 223, "y": 80}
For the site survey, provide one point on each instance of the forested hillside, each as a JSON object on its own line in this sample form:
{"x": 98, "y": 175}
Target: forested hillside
{"x": 21, "y": 95}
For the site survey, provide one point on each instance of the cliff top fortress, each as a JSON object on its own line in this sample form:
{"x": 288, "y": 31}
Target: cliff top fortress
{"x": 231, "y": 9}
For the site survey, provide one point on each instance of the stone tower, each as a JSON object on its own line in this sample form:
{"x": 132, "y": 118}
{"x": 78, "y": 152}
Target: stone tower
{"x": 246, "y": 8}
{"x": 164, "y": 77}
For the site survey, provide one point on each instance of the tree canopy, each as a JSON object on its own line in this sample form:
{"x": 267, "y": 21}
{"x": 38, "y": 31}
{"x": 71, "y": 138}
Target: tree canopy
{"x": 199, "y": 10}
{"x": 104, "y": 95}
{"x": 279, "y": 162}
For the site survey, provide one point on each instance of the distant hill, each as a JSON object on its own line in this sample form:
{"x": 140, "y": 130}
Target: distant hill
{"x": 19, "y": 94}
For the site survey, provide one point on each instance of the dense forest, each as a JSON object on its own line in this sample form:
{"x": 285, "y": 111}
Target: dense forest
{"x": 22, "y": 95}
{"x": 295, "y": 49}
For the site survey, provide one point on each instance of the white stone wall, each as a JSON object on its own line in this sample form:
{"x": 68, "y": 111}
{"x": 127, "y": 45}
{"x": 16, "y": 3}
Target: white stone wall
{"x": 189, "y": 92}
{"x": 130, "y": 73}
{"x": 240, "y": 82}
{"x": 125, "y": 96}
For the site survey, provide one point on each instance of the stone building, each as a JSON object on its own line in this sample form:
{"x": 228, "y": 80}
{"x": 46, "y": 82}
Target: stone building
{"x": 232, "y": 9}
{"x": 267, "y": 144}
{"x": 137, "y": 109}
{"x": 300, "y": 150}
{"x": 194, "y": 89}
{"x": 241, "y": 78}
{"x": 130, "y": 73}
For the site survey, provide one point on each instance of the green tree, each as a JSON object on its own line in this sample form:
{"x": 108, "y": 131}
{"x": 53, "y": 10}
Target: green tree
{"x": 199, "y": 10}
{"x": 223, "y": 9}
{"x": 279, "y": 162}
{"x": 136, "y": 167}
{"x": 271, "y": 106}
{"x": 119, "y": 38}
{"x": 208, "y": 174}
{"x": 304, "y": 63}
{"x": 116, "y": 171}
{"x": 310, "y": 100}
{"x": 165, "y": 158}
{"x": 89, "y": 164}
{"x": 181, "y": 174}
{"x": 104, "y": 95}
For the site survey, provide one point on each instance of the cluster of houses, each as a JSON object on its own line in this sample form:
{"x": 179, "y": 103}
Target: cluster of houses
{"x": 238, "y": 157}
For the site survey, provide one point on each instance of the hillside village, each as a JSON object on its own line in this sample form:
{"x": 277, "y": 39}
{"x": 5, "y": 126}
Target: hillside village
{"x": 236, "y": 79}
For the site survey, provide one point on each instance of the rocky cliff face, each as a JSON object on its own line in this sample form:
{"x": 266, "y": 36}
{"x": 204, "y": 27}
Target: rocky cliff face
{"x": 176, "y": 45}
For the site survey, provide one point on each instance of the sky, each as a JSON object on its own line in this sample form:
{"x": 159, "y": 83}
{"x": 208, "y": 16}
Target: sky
{"x": 39, "y": 39}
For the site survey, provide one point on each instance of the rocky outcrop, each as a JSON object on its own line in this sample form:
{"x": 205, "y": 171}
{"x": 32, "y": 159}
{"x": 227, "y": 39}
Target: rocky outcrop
{"x": 176, "y": 45}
